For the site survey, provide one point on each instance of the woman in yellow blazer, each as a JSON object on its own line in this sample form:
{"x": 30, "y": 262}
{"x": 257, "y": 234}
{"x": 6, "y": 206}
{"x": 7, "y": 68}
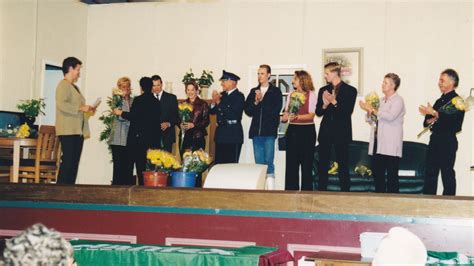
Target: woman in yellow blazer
{"x": 71, "y": 123}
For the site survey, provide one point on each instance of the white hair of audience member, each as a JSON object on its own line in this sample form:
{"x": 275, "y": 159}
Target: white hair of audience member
{"x": 400, "y": 247}
{"x": 38, "y": 245}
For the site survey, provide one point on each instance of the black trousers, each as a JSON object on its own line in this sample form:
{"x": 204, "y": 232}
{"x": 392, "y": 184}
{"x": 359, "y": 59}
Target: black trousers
{"x": 136, "y": 157}
{"x": 385, "y": 163}
{"x": 300, "y": 141}
{"x": 227, "y": 152}
{"x": 71, "y": 147}
{"x": 342, "y": 158}
{"x": 441, "y": 156}
{"x": 120, "y": 171}
{"x": 193, "y": 144}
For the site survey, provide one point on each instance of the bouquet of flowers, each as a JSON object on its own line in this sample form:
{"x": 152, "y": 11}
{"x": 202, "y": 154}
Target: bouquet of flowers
{"x": 196, "y": 161}
{"x": 297, "y": 99}
{"x": 457, "y": 104}
{"x": 161, "y": 161}
{"x": 374, "y": 101}
{"x": 108, "y": 117}
{"x": 23, "y": 131}
{"x": 185, "y": 112}
{"x": 362, "y": 170}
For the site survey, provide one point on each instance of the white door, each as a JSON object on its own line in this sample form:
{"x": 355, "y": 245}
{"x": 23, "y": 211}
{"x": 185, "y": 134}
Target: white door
{"x": 52, "y": 75}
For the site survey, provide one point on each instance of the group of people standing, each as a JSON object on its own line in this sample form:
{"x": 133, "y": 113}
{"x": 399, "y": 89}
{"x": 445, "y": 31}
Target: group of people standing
{"x": 149, "y": 121}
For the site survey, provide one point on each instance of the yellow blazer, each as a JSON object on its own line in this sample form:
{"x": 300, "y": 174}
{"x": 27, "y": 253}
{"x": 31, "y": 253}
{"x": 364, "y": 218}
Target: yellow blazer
{"x": 69, "y": 120}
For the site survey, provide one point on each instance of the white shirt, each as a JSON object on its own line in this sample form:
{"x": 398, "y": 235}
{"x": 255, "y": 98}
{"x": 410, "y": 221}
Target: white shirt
{"x": 229, "y": 92}
{"x": 158, "y": 95}
{"x": 263, "y": 90}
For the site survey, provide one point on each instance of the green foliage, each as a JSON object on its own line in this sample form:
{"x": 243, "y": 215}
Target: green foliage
{"x": 33, "y": 107}
{"x": 205, "y": 80}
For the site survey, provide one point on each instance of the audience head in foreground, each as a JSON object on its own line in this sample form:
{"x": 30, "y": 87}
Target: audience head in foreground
{"x": 38, "y": 245}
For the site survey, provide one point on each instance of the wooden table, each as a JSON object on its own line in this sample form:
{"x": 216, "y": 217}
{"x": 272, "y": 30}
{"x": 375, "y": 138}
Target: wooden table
{"x": 325, "y": 258}
{"x": 16, "y": 144}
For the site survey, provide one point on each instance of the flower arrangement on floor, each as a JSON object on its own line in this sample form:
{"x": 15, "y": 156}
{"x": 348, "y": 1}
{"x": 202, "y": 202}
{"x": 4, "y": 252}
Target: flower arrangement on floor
{"x": 161, "y": 161}
{"x": 297, "y": 100}
{"x": 108, "y": 116}
{"x": 196, "y": 161}
{"x": 363, "y": 170}
{"x": 374, "y": 101}
{"x": 334, "y": 168}
{"x": 457, "y": 104}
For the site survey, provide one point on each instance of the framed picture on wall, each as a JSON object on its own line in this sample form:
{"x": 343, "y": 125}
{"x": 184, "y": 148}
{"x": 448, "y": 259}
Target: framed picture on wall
{"x": 351, "y": 61}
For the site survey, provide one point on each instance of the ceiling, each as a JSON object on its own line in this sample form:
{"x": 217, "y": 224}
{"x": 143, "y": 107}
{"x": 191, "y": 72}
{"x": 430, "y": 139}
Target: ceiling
{"x": 94, "y": 2}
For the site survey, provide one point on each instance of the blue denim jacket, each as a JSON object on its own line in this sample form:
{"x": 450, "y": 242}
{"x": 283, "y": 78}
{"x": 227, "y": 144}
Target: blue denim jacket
{"x": 120, "y": 126}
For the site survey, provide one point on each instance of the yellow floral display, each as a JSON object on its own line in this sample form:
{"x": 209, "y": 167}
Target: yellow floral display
{"x": 185, "y": 111}
{"x": 196, "y": 161}
{"x": 374, "y": 101}
{"x": 459, "y": 103}
{"x": 160, "y": 160}
{"x": 297, "y": 100}
{"x": 23, "y": 131}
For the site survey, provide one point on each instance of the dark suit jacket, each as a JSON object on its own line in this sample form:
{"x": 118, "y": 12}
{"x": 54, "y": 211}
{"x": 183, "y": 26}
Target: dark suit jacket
{"x": 230, "y": 108}
{"x": 169, "y": 113}
{"x": 336, "y": 125}
{"x": 144, "y": 117}
{"x": 265, "y": 115}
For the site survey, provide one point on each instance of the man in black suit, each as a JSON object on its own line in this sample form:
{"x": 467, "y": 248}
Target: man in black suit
{"x": 228, "y": 106}
{"x": 144, "y": 132}
{"x": 335, "y": 103}
{"x": 169, "y": 113}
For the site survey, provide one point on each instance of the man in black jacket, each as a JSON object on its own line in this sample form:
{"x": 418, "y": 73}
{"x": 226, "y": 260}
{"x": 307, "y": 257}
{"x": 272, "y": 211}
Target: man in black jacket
{"x": 144, "y": 132}
{"x": 169, "y": 113}
{"x": 228, "y": 106}
{"x": 446, "y": 122}
{"x": 264, "y": 104}
{"x": 335, "y": 103}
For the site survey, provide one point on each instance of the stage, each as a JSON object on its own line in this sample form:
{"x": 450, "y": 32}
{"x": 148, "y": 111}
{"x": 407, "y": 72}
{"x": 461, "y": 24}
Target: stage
{"x": 301, "y": 222}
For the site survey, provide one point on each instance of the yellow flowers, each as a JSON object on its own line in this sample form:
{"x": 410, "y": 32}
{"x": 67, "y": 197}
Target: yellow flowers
{"x": 459, "y": 103}
{"x": 297, "y": 100}
{"x": 373, "y": 99}
{"x": 161, "y": 160}
{"x": 23, "y": 131}
{"x": 196, "y": 161}
{"x": 185, "y": 112}
{"x": 185, "y": 106}
{"x": 334, "y": 168}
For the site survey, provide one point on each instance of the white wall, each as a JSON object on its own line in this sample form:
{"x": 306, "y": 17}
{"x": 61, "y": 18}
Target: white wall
{"x": 169, "y": 38}
{"x": 18, "y": 28}
{"x": 35, "y": 31}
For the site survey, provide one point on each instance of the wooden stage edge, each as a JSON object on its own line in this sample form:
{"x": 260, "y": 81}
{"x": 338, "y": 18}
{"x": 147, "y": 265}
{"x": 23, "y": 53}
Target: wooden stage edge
{"x": 248, "y": 200}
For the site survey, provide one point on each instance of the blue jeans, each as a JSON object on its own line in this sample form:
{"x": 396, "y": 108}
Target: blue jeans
{"x": 264, "y": 152}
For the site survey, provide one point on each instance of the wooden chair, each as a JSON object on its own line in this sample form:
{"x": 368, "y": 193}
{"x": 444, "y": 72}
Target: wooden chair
{"x": 45, "y": 166}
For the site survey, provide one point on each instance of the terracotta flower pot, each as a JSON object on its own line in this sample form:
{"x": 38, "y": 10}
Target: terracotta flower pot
{"x": 155, "y": 179}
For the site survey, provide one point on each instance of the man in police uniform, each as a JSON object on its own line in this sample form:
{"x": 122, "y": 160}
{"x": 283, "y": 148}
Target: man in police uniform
{"x": 228, "y": 106}
{"x": 443, "y": 144}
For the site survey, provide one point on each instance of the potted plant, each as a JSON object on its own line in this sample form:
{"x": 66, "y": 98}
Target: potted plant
{"x": 204, "y": 82}
{"x": 159, "y": 164}
{"x": 32, "y": 108}
{"x": 194, "y": 163}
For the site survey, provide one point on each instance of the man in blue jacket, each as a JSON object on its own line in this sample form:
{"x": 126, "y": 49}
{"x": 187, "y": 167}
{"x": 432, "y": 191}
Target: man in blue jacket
{"x": 264, "y": 104}
{"x": 228, "y": 107}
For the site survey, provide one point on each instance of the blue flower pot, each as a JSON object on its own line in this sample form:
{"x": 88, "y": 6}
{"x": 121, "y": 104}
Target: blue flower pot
{"x": 183, "y": 179}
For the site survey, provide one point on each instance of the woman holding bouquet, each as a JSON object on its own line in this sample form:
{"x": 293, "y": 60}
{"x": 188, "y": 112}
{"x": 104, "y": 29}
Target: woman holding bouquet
{"x": 301, "y": 133}
{"x": 118, "y": 136}
{"x": 194, "y": 130}
{"x": 386, "y": 138}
